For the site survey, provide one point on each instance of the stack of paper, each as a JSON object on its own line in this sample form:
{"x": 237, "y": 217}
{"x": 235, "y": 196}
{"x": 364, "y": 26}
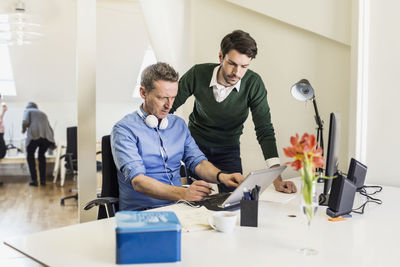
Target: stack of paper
{"x": 191, "y": 218}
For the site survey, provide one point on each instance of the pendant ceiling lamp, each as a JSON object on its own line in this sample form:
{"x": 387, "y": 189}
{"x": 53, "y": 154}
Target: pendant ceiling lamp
{"x": 18, "y": 27}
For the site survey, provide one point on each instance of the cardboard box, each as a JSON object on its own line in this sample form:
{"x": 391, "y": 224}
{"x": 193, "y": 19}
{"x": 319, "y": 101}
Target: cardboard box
{"x": 147, "y": 237}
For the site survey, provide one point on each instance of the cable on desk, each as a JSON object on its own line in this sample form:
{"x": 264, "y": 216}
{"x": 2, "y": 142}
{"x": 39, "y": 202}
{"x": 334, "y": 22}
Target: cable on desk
{"x": 363, "y": 191}
{"x": 190, "y": 204}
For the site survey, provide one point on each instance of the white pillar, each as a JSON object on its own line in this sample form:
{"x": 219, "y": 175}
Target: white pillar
{"x": 358, "y": 114}
{"x": 86, "y": 84}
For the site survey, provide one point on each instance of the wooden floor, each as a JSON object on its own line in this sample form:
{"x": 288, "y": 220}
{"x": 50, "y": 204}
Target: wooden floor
{"x": 25, "y": 209}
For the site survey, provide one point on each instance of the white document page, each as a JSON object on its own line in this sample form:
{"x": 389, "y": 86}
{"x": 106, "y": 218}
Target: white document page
{"x": 191, "y": 218}
{"x": 270, "y": 194}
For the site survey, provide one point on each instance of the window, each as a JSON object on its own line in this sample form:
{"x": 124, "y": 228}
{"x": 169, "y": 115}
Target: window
{"x": 7, "y": 84}
{"x": 148, "y": 59}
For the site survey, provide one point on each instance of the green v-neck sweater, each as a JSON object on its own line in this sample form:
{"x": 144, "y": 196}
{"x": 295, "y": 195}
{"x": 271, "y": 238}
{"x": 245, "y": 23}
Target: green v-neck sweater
{"x": 215, "y": 124}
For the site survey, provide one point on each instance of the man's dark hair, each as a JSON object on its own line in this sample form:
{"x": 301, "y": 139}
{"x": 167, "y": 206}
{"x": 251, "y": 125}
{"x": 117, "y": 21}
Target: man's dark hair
{"x": 156, "y": 72}
{"x": 240, "y": 41}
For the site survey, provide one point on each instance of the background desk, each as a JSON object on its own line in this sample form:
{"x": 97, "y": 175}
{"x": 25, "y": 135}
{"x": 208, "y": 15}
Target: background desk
{"x": 16, "y": 165}
{"x": 371, "y": 239}
{"x": 20, "y": 158}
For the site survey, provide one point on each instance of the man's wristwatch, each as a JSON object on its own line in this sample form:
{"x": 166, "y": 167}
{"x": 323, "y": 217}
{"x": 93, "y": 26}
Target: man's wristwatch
{"x": 218, "y": 174}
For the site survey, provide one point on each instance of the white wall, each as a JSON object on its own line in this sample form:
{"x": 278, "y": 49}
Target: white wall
{"x": 121, "y": 42}
{"x": 168, "y": 27}
{"x": 108, "y": 113}
{"x": 286, "y": 54}
{"x": 45, "y": 70}
{"x": 329, "y": 18}
{"x": 383, "y": 126}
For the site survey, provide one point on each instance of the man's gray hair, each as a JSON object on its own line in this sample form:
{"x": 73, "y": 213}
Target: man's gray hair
{"x": 32, "y": 105}
{"x": 156, "y": 72}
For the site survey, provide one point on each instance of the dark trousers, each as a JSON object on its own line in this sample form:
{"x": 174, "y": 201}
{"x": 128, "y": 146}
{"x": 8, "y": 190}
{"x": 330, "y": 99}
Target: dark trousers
{"x": 3, "y": 147}
{"x": 227, "y": 159}
{"x": 43, "y": 144}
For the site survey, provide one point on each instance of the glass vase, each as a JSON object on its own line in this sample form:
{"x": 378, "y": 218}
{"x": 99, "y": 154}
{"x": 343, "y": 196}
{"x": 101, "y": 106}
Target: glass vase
{"x": 309, "y": 206}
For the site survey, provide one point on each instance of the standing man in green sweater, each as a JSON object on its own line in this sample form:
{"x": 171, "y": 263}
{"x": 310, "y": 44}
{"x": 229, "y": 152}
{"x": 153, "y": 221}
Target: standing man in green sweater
{"x": 224, "y": 93}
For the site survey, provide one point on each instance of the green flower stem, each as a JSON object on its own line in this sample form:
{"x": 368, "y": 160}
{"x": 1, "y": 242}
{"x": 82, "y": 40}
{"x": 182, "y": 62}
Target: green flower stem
{"x": 308, "y": 177}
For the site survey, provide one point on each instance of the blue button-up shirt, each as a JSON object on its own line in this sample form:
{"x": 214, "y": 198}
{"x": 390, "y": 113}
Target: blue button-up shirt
{"x": 139, "y": 149}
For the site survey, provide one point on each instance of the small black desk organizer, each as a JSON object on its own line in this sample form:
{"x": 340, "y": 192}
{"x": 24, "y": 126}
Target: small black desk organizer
{"x": 249, "y": 213}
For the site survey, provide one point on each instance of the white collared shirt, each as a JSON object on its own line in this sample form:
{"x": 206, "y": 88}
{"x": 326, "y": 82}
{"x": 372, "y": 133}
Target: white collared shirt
{"x": 221, "y": 93}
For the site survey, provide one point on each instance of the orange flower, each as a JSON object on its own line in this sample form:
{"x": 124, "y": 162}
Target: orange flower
{"x": 305, "y": 149}
{"x": 306, "y": 158}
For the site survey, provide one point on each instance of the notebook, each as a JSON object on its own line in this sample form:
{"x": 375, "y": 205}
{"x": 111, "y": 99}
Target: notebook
{"x": 231, "y": 201}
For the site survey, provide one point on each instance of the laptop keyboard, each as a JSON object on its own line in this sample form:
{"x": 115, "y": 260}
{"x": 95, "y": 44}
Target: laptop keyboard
{"x": 214, "y": 202}
{"x": 217, "y": 197}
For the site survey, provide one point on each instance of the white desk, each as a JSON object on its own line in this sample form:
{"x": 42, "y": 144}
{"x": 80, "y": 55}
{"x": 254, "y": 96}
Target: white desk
{"x": 20, "y": 158}
{"x": 372, "y": 239}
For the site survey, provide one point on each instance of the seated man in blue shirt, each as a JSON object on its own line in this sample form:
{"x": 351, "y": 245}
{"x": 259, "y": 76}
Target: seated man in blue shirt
{"x": 149, "y": 144}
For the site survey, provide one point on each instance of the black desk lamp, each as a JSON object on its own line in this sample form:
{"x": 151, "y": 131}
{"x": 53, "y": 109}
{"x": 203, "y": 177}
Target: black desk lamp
{"x": 303, "y": 91}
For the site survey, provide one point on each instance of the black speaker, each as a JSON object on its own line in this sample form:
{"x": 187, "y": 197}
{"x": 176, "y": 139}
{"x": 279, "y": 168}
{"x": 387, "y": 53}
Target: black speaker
{"x": 357, "y": 173}
{"x": 342, "y": 197}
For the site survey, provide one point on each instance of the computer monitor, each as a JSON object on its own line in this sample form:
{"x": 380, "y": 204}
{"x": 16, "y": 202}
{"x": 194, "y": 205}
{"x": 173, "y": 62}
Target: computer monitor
{"x": 331, "y": 166}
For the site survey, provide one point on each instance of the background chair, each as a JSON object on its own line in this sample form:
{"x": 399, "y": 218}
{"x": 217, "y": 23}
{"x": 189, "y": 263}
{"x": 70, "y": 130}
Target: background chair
{"x": 108, "y": 200}
{"x": 71, "y": 157}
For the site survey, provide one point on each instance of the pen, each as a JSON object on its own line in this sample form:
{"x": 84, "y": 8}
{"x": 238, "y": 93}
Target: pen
{"x": 187, "y": 186}
{"x": 255, "y": 193}
{"x": 246, "y": 194}
{"x": 193, "y": 180}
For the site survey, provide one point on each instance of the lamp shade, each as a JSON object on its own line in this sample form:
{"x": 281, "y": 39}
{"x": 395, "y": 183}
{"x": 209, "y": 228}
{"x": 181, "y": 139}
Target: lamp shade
{"x": 302, "y": 90}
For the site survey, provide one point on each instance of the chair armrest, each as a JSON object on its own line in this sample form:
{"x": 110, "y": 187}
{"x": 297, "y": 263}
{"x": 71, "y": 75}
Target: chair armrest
{"x": 100, "y": 201}
{"x": 108, "y": 202}
{"x": 66, "y": 155}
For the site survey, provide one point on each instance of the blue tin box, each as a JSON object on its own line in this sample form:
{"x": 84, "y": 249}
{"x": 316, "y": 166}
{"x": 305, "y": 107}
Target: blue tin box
{"x": 147, "y": 237}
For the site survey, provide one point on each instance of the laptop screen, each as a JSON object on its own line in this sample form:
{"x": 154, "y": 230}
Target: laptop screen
{"x": 262, "y": 178}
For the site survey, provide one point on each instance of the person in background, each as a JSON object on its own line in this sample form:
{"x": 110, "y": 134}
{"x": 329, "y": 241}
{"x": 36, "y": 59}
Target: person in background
{"x": 149, "y": 144}
{"x": 39, "y": 135}
{"x": 224, "y": 93}
{"x": 3, "y": 147}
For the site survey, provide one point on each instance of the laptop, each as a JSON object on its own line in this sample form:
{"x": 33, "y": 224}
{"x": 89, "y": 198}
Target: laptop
{"x": 231, "y": 201}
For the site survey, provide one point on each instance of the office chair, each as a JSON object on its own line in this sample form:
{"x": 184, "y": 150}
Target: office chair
{"x": 108, "y": 200}
{"x": 71, "y": 158}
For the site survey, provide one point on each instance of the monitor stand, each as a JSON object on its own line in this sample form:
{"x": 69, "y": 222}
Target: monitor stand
{"x": 323, "y": 199}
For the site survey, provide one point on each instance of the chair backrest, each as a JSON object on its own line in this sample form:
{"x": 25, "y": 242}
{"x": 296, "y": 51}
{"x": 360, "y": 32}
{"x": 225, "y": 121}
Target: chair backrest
{"x": 71, "y": 152}
{"x": 72, "y": 141}
{"x": 109, "y": 186}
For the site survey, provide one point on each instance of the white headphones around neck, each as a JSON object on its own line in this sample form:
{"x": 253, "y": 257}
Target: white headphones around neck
{"x": 152, "y": 121}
